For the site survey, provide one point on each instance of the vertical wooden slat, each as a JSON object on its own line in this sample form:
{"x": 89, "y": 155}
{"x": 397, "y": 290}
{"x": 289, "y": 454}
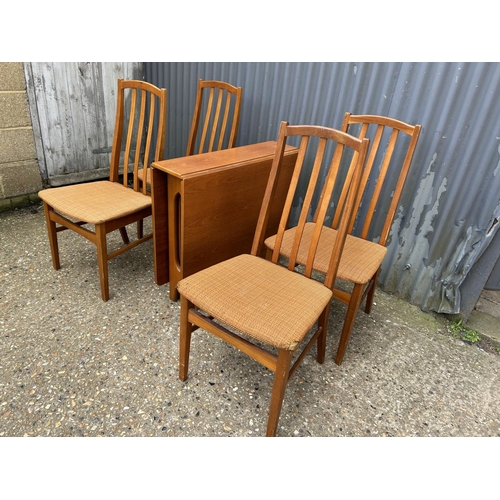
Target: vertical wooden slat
{"x": 306, "y": 205}
{"x": 269, "y": 194}
{"x": 236, "y": 118}
{"x": 145, "y": 160}
{"x": 196, "y": 120}
{"x": 400, "y": 184}
{"x": 380, "y": 181}
{"x": 366, "y": 171}
{"x": 365, "y": 174}
{"x": 207, "y": 119}
{"x": 290, "y": 196}
{"x": 138, "y": 143}
{"x": 117, "y": 137}
{"x": 160, "y": 143}
{"x": 224, "y": 122}
{"x": 347, "y": 212}
{"x": 215, "y": 120}
{"x": 329, "y": 183}
{"x": 130, "y": 132}
{"x": 335, "y": 163}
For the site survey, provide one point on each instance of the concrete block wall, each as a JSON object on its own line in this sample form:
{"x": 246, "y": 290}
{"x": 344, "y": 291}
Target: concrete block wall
{"x": 20, "y": 178}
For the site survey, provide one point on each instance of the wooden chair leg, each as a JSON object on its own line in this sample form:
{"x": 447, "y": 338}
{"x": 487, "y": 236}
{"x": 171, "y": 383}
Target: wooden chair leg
{"x": 371, "y": 293}
{"x": 280, "y": 380}
{"x": 352, "y": 309}
{"x": 321, "y": 342}
{"x": 185, "y": 338}
{"x": 51, "y": 229}
{"x": 140, "y": 229}
{"x": 102, "y": 260}
{"x": 124, "y": 235}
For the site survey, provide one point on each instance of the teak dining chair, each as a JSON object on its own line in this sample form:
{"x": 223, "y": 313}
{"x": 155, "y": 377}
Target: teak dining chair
{"x": 265, "y": 308}
{"x": 217, "y": 107}
{"x": 364, "y": 253}
{"x": 109, "y": 204}
{"x": 219, "y": 104}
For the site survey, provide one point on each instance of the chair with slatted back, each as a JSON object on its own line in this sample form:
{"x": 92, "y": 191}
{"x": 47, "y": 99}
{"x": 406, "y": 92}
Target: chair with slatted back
{"x": 217, "y": 110}
{"x": 109, "y": 205}
{"x": 392, "y": 145}
{"x": 218, "y": 103}
{"x": 265, "y": 308}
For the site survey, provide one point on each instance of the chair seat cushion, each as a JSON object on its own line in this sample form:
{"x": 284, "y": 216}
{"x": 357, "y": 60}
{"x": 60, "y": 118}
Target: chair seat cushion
{"x": 140, "y": 175}
{"x": 258, "y": 298}
{"x": 360, "y": 258}
{"x": 95, "y": 202}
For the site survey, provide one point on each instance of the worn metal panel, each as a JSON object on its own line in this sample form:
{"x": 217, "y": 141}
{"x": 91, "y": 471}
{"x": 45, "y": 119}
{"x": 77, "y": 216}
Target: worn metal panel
{"x": 493, "y": 282}
{"x": 73, "y": 108}
{"x": 450, "y": 206}
{"x": 476, "y": 281}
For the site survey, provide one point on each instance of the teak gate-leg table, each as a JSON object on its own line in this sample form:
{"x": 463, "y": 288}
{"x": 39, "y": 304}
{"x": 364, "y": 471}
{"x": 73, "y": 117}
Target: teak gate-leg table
{"x": 205, "y": 207}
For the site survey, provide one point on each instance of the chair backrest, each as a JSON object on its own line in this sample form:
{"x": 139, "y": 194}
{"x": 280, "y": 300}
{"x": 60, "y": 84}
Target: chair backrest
{"x": 219, "y": 103}
{"x": 329, "y": 149}
{"x": 140, "y": 128}
{"x": 392, "y": 145}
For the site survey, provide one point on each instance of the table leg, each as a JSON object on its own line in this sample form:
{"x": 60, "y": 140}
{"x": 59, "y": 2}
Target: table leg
{"x": 175, "y": 250}
{"x": 159, "y": 199}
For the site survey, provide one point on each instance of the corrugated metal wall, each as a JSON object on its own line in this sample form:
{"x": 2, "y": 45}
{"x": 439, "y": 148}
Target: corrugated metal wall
{"x": 450, "y": 207}
{"x": 493, "y": 282}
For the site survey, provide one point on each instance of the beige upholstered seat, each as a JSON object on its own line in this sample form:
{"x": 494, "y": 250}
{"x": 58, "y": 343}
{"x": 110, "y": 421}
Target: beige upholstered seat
{"x": 258, "y": 305}
{"x": 111, "y": 205}
{"x": 360, "y": 258}
{"x": 238, "y": 289}
{"x": 364, "y": 253}
{"x": 96, "y": 202}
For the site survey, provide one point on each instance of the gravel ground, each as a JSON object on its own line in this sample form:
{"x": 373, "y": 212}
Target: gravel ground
{"x": 73, "y": 365}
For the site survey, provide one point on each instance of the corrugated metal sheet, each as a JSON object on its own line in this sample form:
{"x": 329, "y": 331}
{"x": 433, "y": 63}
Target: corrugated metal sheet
{"x": 450, "y": 207}
{"x": 493, "y": 282}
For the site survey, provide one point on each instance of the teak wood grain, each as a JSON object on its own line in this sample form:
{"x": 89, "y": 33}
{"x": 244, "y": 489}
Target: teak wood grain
{"x": 209, "y": 205}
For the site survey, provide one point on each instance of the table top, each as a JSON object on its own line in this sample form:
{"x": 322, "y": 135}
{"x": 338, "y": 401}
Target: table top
{"x": 186, "y": 166}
